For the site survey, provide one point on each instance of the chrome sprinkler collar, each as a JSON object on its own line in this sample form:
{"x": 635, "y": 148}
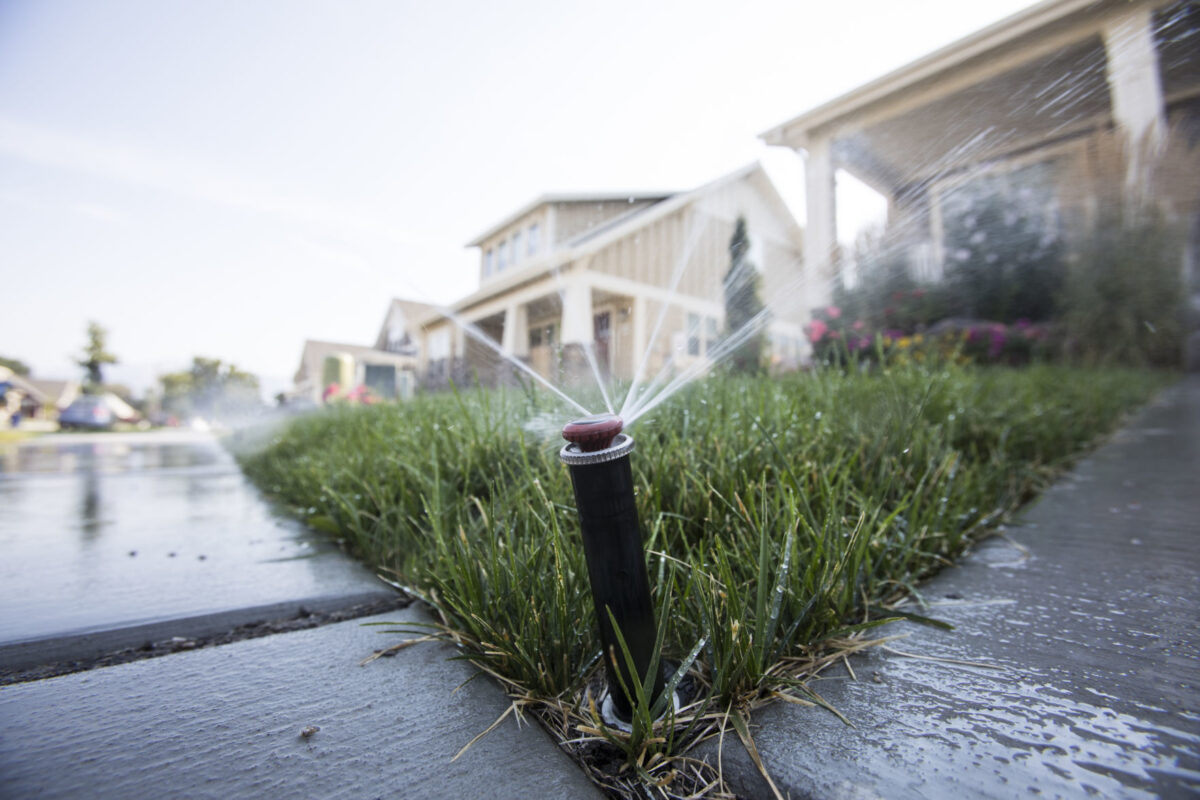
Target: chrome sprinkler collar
{"x": 573, "y": 456}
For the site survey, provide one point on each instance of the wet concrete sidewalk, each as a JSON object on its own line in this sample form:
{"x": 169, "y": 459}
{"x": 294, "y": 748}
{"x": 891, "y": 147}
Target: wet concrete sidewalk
{"x": 1087, "y": 617}
{"x": 110, "y": 540}
{"x": 228, "y": 722}
{"x": 103, "y": 537}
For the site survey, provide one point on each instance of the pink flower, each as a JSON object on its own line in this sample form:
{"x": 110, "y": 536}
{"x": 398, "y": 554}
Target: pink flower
{"x": 833, "y": 312}
{"x": 817, "y": 330}
{"x": 859, "y": 325}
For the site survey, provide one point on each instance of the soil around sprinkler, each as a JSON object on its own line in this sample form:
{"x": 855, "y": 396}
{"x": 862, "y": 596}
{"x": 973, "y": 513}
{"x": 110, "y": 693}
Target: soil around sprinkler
{"x": 302, "y": 620}
{"x": 604, "y": 762}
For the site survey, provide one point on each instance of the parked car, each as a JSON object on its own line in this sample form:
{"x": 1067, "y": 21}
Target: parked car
{"x": 89, "y": 411}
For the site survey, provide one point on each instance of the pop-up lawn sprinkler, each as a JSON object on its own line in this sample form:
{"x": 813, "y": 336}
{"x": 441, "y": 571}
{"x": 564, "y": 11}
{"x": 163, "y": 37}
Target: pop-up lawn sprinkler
{"x": 598, "y": 458}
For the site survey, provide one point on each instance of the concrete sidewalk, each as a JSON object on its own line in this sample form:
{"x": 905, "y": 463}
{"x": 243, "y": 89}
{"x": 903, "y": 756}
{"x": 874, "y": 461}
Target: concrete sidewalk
{"x": 1089, "y": 611}
{"x": 115, "y": 542}
{"x": 110, "y": 540}
{"x": 1085, "y": 617}
{"x": 227, "y": 722}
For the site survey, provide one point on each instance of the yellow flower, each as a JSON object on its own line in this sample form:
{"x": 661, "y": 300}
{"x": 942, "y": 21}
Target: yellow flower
{"x": 904, "y": 342}
{"x": 918, "y": 338}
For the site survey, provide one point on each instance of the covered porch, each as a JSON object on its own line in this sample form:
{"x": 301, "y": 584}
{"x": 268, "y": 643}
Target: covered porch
{"x": 1093, "y": 93}
{"x": 562, "y": 324}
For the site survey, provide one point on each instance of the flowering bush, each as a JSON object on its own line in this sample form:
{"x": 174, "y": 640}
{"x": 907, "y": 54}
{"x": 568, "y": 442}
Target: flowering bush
{"x": 356, "y": 395}
{"x": 837, "y": 341}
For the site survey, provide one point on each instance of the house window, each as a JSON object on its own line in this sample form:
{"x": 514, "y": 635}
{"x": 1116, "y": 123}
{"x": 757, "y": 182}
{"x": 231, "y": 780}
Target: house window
{"x": 693, "y": 334}
{"x": 489, "y": 263}
{"x": 710, "y": 334}
{"x": 516, "y": 247}
{"x": 439, "y": 344}
{"x": 533, "y": 239}
{"x": 543, "y": 336}
{"x": 501, "y": 256}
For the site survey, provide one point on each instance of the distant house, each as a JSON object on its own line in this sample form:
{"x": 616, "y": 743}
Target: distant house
{"x": 335, "y": 369}
{"x": 58, "y": 395}
{"x": 33, "y": 398}
{"x": 395, "y": 334}
{"x": 569, "y": 271}
{"x": 1078, "y": 101}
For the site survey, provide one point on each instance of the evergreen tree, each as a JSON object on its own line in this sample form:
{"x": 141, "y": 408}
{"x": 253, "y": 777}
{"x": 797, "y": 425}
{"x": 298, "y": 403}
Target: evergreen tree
{"x": 95, "y": 356}
{"x": 744, "y": 314}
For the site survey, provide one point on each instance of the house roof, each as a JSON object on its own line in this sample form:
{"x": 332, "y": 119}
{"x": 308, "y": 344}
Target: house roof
{"x": 23, "y": 384}
{"x": 412, "y": 311}
{"x": 982, "y": 44}
{"x": 61, "y": 393}
{"x": 566, "y": 197}
{"x": 409, "y": 306}
{"x": 599, "y": 237}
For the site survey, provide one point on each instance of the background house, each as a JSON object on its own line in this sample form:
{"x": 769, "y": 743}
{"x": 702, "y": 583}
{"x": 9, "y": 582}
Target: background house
{"x": 572, "y": 277}
{"x": 396, "y": 332}
{"x": 351, "y": 369}
{"x": 1077, "y": 104}
{"x": 58, "y": 395}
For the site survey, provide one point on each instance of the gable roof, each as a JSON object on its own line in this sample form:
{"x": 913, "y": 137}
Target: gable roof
{"x": 11, "y": 379}
{"x": 61, "y": 393}
{"x": 411, "y": 310}
{"x": 566, "y": 197}
{"x": 594, "y": 239}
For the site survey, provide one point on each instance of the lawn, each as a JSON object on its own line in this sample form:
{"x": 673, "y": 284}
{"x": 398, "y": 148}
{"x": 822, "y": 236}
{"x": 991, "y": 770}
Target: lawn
{"x": 784, "y": 517}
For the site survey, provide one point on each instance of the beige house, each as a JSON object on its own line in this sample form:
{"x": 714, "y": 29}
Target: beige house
{"x": 35, "y": 398}
{"x": 1095, "y": 99}
{"x": 619, "y": 277}
{"x": 395, "y": 333}
{"x": 351, "y": 367}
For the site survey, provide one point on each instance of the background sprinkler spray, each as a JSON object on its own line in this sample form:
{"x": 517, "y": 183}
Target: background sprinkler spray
{"x": 598, "y": 458}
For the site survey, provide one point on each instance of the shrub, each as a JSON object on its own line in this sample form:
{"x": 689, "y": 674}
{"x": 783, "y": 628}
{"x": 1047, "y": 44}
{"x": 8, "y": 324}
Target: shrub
{"x": 1004, "y": 256}
{"x": 1124, "y": 295}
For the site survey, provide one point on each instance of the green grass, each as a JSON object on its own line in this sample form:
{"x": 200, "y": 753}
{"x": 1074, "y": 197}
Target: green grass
{"x": 783, "y": 516}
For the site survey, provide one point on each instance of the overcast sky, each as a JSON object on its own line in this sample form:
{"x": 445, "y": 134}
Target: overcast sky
{"x": 229, "y": 178}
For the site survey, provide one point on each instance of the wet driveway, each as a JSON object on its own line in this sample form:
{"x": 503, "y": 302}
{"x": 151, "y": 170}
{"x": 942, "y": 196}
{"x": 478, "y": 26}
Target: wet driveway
{"x": 105, "y": 531}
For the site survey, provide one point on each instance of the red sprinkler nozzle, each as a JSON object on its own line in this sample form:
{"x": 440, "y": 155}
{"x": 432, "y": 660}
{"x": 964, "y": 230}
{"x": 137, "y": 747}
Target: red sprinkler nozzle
{"x": 593, "y": 433}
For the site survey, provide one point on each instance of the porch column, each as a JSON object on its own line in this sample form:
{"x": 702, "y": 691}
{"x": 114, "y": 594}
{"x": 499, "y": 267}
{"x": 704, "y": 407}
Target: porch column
{"x": 1136, "y": 93}
{"x": 577, "y": 314}
{"x": 820, "y": 235}
{"x": 641, "y": 327}
{"x": 460, "y": 342}
{"x": 515, "y": 340}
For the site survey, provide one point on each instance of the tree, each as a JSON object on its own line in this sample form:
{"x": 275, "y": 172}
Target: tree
{"x": 745, "y": 316}
{"x": 209, "y": 387}
{"x": 16, "y": 365}
{"x": 95, "y": 356}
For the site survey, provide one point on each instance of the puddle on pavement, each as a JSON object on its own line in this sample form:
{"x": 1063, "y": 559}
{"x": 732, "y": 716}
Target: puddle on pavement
{"x": 114, "y": 528}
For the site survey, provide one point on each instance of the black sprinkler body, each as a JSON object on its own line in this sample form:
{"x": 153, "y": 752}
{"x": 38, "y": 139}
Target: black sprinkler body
{"x": 598, "y": 459}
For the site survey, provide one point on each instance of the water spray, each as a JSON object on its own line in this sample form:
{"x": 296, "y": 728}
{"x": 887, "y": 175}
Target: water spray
{"x": 597, "y": 455}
